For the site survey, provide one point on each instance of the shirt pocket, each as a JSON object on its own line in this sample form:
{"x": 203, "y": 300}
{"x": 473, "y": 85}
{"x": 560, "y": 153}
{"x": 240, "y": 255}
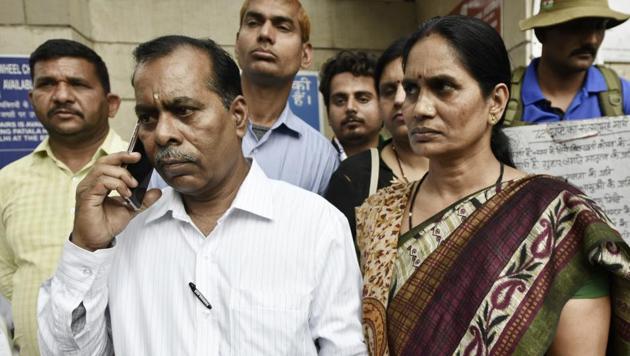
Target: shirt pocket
{"x": 269, "y": 323}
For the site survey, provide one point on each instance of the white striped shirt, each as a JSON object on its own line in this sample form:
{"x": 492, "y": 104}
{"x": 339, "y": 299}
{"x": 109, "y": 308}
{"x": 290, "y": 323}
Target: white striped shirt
{"x": 279, "y": 270}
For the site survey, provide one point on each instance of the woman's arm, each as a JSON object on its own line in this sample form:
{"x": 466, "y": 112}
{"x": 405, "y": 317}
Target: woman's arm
{"x": 582, "y": 328}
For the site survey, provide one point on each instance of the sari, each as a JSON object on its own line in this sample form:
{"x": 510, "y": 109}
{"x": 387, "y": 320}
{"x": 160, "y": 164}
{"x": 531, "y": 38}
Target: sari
{"x": 490, "y": 274}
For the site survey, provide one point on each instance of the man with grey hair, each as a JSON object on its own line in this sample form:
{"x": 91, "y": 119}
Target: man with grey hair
{"x": 225, "y": 261}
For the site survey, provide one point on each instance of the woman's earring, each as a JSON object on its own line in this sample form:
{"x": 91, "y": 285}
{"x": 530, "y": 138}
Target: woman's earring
{"x": 493, "y": 119}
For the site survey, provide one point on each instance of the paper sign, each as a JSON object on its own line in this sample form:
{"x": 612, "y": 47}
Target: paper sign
{"x": 593, "y": 155}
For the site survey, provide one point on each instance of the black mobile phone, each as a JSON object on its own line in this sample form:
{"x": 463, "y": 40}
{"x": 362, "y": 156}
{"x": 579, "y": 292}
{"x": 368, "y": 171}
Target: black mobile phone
{"x": 140, "y": 170}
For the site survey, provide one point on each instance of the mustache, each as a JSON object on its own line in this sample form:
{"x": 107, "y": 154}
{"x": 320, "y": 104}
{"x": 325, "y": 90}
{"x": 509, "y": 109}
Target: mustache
{"x": 352, "y": 118}
{"x": 171, "y": 153}
{"x": 58, "y": 108}
{"x": 586, "y": 49}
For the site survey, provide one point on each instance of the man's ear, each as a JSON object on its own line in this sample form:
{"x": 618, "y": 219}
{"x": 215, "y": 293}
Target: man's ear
{"x": 499, "y": 99}
{"x": 238, "y": 112}
{"x": 113, "y": 103}
{"x": 307, "y": 55}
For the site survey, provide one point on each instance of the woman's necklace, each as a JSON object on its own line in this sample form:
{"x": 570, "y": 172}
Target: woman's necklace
{"x": 402, "y": 173}
{"x": 417, "y": 189}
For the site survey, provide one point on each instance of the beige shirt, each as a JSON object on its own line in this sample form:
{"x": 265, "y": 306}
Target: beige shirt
{"x": 37, "y": 195}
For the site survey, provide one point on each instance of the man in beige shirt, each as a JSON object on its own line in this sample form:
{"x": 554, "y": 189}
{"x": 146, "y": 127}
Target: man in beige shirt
{"x": 71, "y": 98}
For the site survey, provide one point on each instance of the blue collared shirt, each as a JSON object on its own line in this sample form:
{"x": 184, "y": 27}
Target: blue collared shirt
{"x": 293, "y": 152}
{"x": 585, "y": 104}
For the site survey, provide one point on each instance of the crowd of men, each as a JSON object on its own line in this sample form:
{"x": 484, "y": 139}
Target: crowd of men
{"x": 271, "y": 263}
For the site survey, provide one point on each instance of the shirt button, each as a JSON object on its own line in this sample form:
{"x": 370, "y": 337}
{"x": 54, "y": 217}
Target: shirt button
{"x": 86, "y": 271}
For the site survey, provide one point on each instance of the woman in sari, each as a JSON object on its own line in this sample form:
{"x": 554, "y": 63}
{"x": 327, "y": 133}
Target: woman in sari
{"x": 478, "y": 258}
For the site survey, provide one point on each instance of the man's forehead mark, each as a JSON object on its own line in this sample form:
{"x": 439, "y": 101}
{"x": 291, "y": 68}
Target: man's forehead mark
{"x": 156, "y": 97}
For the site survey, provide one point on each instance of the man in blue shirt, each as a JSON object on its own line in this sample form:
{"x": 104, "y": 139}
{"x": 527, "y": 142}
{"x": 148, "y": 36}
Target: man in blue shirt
{"x": 563, "y": 84}
{"x": 272, "y": 45}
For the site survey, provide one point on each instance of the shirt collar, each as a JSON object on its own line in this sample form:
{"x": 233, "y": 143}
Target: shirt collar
{"x": 170, "y": 202}
{"x": 340, "y": 151}
{"x": 112, "y": 144}
{"x": 288, "y": 119}
{"x": 253, "y": 197}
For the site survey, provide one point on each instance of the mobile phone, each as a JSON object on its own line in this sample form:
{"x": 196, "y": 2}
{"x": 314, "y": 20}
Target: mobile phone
{"x": 140, "y": 170}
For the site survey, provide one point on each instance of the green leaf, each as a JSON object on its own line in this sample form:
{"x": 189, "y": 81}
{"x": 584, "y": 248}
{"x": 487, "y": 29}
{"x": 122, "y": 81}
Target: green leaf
{"x": 498, "y": 320}
{"x": 533, "y": 266}
{"x": 490, "y": 338}
{"x": 522, "y": 257}
{"x": 523, "y": 276}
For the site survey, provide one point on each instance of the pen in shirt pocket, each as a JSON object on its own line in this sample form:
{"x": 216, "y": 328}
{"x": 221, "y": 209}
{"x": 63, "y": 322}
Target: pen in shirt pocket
{"x": 199, "y": 296}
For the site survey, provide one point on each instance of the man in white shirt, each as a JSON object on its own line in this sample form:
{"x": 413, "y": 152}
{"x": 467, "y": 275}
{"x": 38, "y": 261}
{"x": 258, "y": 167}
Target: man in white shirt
{"x": 226, "y": 262}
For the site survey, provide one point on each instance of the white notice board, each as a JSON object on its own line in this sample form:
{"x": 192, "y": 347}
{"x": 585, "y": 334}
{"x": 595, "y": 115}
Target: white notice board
{"x": 593, "y": 155}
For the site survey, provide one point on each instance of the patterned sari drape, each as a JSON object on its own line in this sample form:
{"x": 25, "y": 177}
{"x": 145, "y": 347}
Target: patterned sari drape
{"x": 496, "y": 284}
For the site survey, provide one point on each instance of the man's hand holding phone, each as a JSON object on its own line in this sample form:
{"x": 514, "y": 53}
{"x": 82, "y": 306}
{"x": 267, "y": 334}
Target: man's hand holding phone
{"x": 140, "y": 170}
{"x": 99, "y": 217}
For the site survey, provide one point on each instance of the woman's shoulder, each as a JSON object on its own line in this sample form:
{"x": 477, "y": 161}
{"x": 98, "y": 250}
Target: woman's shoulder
{"x": 388, "y": 196}
{"x": 548, "y": 183}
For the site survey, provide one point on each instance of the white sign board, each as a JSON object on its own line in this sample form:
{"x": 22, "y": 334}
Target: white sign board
{"x": 593, "y": 155}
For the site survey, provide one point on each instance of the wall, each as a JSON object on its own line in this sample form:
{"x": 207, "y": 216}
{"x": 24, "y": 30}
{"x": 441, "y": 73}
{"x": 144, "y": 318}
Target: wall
{"x": 114, "y": 27}
{"x": 516, "y": 41}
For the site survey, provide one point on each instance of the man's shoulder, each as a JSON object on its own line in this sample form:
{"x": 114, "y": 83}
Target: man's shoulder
{"x": 356, "y": 164}
{"x": 113, "y": 143}
{"x": 18, "y": 166}
{"x": 14, "y": 176}
{"x": 311, "y": 136}
{"x": 285, "y": 190}
{"x": 625, "y": 87}
{"x": 290, "y": 197}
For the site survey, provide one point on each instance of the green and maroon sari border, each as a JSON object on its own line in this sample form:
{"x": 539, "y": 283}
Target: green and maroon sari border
{"x": 442, "y": 315}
